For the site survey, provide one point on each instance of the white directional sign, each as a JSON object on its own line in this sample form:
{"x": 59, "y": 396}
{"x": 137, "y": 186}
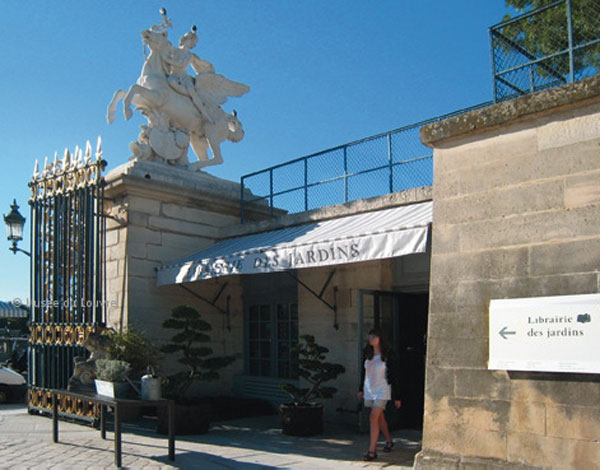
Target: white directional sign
{"x": 546, "y": 334}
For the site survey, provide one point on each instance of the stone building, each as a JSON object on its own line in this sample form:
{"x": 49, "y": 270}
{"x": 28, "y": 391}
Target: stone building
{"x": 514, "y": 212}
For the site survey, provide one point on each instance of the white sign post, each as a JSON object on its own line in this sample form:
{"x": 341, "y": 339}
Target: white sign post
{"x": 545, "y": 334}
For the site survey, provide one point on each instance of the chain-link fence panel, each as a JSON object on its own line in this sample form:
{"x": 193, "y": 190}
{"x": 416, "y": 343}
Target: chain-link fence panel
{"x": 325, "y": 165}
{"x": 385, "y": 163}
{"x": 545, "y": 47}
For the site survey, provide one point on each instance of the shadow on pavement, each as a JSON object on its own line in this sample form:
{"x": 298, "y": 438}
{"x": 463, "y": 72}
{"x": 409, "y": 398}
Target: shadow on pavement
{"x": 263, "y": 434}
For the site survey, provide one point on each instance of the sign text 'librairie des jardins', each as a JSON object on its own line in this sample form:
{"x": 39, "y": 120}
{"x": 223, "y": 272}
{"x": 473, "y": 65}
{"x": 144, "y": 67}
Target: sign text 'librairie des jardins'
{"x": 546, "y": 334}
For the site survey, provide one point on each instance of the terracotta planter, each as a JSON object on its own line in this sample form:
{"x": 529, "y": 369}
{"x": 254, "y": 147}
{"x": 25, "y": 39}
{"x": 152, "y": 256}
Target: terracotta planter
{"x": 301, "y": 420}
{"x": 190, "y": 419}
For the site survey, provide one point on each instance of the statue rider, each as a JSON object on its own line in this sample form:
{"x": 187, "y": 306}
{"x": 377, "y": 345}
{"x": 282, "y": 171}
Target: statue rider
{"x": 176, "y": 63}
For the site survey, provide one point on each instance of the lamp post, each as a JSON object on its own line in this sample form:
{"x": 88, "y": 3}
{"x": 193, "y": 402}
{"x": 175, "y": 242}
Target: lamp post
{"x": 14, "y": 227}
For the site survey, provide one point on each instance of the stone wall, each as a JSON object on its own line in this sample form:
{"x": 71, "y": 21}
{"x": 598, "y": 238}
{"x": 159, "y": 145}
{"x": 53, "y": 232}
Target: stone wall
{"x": 516, "y": 214}
{"x": 160, "y": 214}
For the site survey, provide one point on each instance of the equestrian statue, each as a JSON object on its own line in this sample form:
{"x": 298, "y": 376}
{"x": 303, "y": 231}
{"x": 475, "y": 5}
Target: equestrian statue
{"x": 181, "y": 109}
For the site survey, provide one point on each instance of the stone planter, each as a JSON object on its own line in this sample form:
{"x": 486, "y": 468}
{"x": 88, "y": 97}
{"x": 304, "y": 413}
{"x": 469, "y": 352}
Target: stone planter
{"x": 112, "y": 389}
{"x": 301, "y": 420}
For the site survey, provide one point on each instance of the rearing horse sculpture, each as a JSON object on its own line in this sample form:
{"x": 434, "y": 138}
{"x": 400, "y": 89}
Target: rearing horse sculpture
{"x": 172, "y": 116}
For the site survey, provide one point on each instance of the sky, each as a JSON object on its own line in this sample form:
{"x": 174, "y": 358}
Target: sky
{"x": 321, "y": 73}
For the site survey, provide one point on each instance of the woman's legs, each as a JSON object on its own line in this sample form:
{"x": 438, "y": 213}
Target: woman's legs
{"x": 376, "y": 413}
{"x": 384, "y": 427}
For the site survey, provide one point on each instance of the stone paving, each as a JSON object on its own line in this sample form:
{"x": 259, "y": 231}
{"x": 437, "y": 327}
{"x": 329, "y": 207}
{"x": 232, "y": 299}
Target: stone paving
{"x": 243, "y": 444}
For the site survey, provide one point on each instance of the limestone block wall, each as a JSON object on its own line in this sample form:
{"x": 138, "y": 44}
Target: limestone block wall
{"x": 516, "y": 214}
{"x": 160, "y": 214}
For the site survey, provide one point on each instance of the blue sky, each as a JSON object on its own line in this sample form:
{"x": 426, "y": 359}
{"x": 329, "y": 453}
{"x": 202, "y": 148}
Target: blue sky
{"x": 321, "y": 73}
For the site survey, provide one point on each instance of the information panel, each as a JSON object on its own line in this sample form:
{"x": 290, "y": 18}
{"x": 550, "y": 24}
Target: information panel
{"x": 546, "y": 334}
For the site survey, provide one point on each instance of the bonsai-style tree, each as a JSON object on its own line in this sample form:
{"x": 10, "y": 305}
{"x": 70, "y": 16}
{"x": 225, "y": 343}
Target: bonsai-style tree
{"x": 133, "y": 347}
{"x": 313, "y": 368}
{"x": 191, "y": 332}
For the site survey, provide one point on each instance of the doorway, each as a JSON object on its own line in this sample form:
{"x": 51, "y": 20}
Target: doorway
{"x": 404, "y": 317}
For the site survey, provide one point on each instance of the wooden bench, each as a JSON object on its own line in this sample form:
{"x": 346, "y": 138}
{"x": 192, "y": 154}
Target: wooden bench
{"x": 119, "y": 405}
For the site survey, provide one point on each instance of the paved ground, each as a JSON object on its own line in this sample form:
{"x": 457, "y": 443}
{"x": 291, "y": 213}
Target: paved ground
{"x": 244, "y": 444}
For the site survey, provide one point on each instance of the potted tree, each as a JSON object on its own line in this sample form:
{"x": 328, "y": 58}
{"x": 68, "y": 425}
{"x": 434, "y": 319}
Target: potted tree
{"x": 131, "y": 346}
{"x": 111, "y": 378}
{"x": 304, "y": 416}
{"x": 192, "y": 414}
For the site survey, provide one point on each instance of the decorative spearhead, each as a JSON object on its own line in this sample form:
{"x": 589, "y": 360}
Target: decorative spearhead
{"x": 56, "y": 158}
{"x": 76, "y": 157}
{"x": 45, "y": 170}
{"x": 36, "y": 170}
{"x": 99, "y": 149}
{"x": 55, "y": 168}
{"x": 67, "y": 159}
{"x": 88, "y": 152}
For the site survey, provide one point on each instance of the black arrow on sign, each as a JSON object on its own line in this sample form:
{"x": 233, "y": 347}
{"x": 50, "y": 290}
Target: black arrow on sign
{"x": 503, "y": 332}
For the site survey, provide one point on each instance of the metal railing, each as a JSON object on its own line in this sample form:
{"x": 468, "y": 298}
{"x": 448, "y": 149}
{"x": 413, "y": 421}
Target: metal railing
{"x": 555, "y": 44}
{"x": 373, "y": 166}
{"x": 552, "y": 45}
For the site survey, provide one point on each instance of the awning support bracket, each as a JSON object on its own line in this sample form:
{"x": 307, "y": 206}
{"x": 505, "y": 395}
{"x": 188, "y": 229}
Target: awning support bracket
{"x": 327, "y": 283}
{"x": 208, "y": 301}
{"x": 228, "y": 313}
{"x": 220, "y": 292}
{"x": 320, "y": 294}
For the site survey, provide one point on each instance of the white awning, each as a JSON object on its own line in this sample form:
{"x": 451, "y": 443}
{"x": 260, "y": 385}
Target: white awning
{"x": 10, "y": 310}
{"x": 362, "y": 237}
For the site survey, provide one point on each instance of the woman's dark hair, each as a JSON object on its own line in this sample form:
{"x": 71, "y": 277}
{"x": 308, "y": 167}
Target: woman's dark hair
{"x": 384, "y": 344}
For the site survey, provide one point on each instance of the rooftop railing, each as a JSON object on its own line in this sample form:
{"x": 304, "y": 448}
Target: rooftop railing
{"x": 549, "y": 46}
{"x": 373, "y": 166}
{"x": 555, "y": 44}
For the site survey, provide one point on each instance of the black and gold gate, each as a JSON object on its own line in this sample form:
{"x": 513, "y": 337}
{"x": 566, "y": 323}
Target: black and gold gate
{"x": 67, "y": 273}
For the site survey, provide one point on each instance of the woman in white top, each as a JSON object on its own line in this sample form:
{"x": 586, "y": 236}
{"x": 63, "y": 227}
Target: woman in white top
{"x": 379, "y": 384}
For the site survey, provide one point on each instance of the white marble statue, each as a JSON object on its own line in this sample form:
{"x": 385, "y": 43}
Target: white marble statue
{"x": 181, "y": 109}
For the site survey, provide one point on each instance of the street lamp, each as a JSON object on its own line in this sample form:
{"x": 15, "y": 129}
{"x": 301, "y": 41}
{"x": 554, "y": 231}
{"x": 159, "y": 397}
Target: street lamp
{"x": 14, "y": 227}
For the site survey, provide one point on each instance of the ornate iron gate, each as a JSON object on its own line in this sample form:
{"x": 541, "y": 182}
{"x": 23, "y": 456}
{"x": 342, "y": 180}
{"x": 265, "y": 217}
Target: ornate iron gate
{"x": 67, "y": 273}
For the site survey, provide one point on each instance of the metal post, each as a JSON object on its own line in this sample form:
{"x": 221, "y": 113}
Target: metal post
{"x": 103, "y": 260}
{"x": 117, "y": 432}
{"x": 305, "y": 184}
{"x": 493, "y": 64}
{"x": 103, "y": 421}
{"x": 242, "y": 200}
{"x": 345, "y": 174}
{"x": 54, "y": 417}
{"x": 360, "y": 305}
{"x": 171, "y": 428}
{"x": 33, "y": 251}
{"x": 271, "y": 192}
{"x": 390, "y": 162}
{"x": 570, "y": 33}
{"x": 531, "y": 79}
